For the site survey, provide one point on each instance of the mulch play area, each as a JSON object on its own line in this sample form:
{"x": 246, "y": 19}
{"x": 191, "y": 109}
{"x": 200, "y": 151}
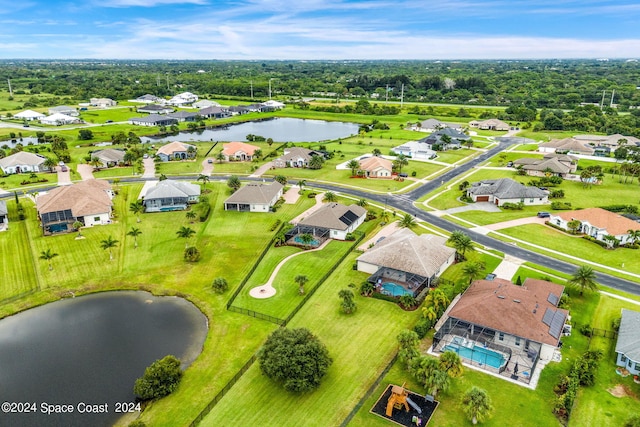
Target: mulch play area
{"x": 402, "y": 416}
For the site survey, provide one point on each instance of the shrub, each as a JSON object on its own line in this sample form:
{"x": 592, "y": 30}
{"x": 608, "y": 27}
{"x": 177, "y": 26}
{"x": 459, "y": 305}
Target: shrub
{"x": 275, "y": 225}
{"x": 561, "y": 206}
{"x": 422, "y": 327}
{"x": 414, "y": 173}
{"x": 586, "y": 330}
{"x": 159, "y": 379}
{"x": 220, "y": 285}
{"x": 202, "y": 209}
{"x": 311, "y": 195}
{"x": 513, "y": 206}
{"x": 191, "y": 254}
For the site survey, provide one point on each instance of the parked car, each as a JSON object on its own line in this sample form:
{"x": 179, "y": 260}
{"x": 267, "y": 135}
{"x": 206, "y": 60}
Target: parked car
{"x": 209, "y": 160}
{"x": 109, "y": 121}
{"x": 64, "y": 169}
{"x": 509, "y": 164}
{"x": 403, "y": 175}
{"x": 544, "y": 214}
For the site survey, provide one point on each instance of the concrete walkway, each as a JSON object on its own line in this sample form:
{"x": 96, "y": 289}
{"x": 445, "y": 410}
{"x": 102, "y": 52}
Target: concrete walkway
{"x": 478, "y": 206}
{"x": 267, "y": 290}
{"x": 292, "y": 195}
{"x": 386, "y": 231}
{"x": 309, "y": 211}
{"x": 508, "y": 267}
{"x": 149, "y": 168}
{"x": 207, "y": 167}
{"x": 262, "y": 169}
{"x": 85, "y": 171}
{"x": 64, "y": 178}
{"x": 486, "y": 229}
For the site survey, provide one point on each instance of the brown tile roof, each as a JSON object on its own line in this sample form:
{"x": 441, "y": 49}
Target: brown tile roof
{"x": 517, "y": 310}
{"x": 614, "y": 223}
{"x": 372, "y": 163}
{"x": 330, "y": 216}
{"x": 256, "y": 193}
{"x": 84, "y": 198}
{"x": 405, "y": 251}
{"x": 174, "y": 147}
{"x": 232, "y": 148}
{"x": 568, "y": 144}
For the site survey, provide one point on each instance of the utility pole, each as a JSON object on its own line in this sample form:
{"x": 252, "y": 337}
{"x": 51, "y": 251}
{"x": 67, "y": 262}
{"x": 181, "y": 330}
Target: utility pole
{"x": 251, "y": 83}
{"x": 602, "y": 101}
{"x": 386, "y": 95}
{"x": 612, "y": 94}
{"x": 269, "y": 88}
{"x": 167, "y": 81}
{"x": 10, "y": 91}
{"x": 402, "y": 95}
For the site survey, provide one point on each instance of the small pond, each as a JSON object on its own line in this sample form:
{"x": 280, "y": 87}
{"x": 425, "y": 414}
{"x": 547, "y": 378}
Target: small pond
{"x": 89, "y": 351}
{"x": 278, "y": 129}
{"x": 27, "y": 140}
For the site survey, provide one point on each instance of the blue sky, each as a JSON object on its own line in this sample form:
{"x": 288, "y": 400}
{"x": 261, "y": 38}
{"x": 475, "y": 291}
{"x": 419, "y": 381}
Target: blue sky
{"x": 319, "y": 29}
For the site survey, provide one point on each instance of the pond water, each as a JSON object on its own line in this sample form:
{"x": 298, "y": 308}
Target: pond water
{"x": 89, "y": 351}
{"x": 27, "y": 140}
{"x": 278, "y": 129}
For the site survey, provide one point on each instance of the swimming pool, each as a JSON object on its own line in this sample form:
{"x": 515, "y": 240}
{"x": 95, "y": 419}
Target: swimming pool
{"x": 298, "y": 239}
{"x": 394, "y": 290}
{"x": 479, "y": 354}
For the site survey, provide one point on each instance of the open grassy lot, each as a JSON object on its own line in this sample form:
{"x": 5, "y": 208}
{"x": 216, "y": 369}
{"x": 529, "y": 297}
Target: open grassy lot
{"x": 453, "y": 156}
{"x": 351, "y": 341}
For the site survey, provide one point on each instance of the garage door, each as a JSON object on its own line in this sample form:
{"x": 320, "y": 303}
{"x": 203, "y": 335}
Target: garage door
{"x": 482, "y": 199}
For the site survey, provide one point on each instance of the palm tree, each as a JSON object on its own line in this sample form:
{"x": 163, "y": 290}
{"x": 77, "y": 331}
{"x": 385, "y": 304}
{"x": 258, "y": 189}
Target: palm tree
{"x": 77, "y": 225}
{"x": 584, "y": 278}
{"x": 301, "y": 184}
{"x": 473, "y": 270}
{"x": 476, "y": 404}
{"x": 450, "y": 363}
{"x": 185, "y": 233}
{"x": 400, "y": 161}
{"x": 437, "y": 299}
{"x": 134, "y": 232}
{"x": 281, "y": 179}
{"x": 362, "y": 203}
{"x": 48, "y": 256}
{"x": 301, "y": 280}
{"x": 306, "y": 239}
{"x": 234, "y": 183}
{"x": 204, "y": 179}
{"x": 376, "y": 152}
{"x": 461, "y": 242}
{"x": 354, "y": 165}
{"x": 316, "y": 162}
{"x": 427, "y": 371}
{"x": 574, "y": 225}
{"x": 429, "y": 313}
{"x": 329, "y": 197}
{"x": 609, "y": 240}
{"x": 137, "y": 208}
{"x": 407, "y": 221}
{"x": 50, "y": 164}
{"x": 96, "y": 163}
{"x": 108, "y": 244}
{"x": 220, "y": 157}
{"x": 634, "y": 235}
{"x": 191, "y": 215}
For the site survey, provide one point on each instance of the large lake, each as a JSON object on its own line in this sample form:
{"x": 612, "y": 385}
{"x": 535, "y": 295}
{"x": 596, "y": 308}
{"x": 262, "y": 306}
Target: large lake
{"x": 278, "y": 129}
{"x": 90, "y": 350}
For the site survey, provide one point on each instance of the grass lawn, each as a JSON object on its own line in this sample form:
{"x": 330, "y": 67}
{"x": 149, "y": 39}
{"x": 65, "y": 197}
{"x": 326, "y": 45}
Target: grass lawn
{"x": 14, "y": 181}
{"x": 351, "y": 340}
{"x": 455, "y": 274}
{"x": 453, "y": 156}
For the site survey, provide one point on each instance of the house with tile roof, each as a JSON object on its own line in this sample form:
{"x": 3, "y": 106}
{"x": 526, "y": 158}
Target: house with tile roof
{"x": 170, "y": 195}
{"x": 554, "y": 164}
{"x": 183, "y": 116}
{"x": 22, "y": 162}
{"x": 597, "y": 223}
{"x": 4, "y": 216}
{"x": 59, "y": 119}
{"x": 331, "y": 221}
{"x": 215, "y": 112}
{"x": 146, "y": 99}
{"x": 628, "y": 342}
{"x": 504, "y": 328}
{"x": 176, "y": 150}
{"x": 408, "y": 260}
{"x": 64, "y": 109}
{"x": 566, "y": 146}
{"x": 153, "y": 120}
{"x": 109, "y": 157}
{"x": 254, "y": 197}
{"x": 155, "y": 109}
{"x": 376, "y": 167}
{"x": 102, "y": 102}
{"x": 88, "y": 202}
{"x": 611, "y": 141}
{"x": 29, "y": 115}
{"x": 489, "y": 124}
{"x": 506, "y": 190}
{"x": 445, "y": 139}
{"x": 204, "y": 103}
{"x": 295, "y": 157}
{"x": 239, "y": 151}
{"x": 415, "y": 150}
{"x": 184, "y": 98}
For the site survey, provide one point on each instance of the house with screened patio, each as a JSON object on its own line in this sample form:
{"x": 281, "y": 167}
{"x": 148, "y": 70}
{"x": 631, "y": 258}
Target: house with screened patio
{"x": 331, "y": 221}
{"x": 504, "y": 328}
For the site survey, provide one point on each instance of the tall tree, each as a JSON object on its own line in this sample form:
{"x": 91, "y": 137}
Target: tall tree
{"x": 185, "y": 233}
{"x": 204, "y": 179}
{"x": 48, "y": 255}
{"x": 354, "y": 165}
{"x": 476, "y": 405}
{"x": 409, "y": 343}
{"x": 450, "y": 363}
{"x": 108, "y": 244}
{"x": 461, "y": 242}
{"x": 137, "y": 208}
{"x": 329, "y": 197}
{"x": 233, "y": 183}
{"x": 301, "y": 280}
{"x": 473, "y": 270}
{"x": 407, "y": 221}
{"x": 584, "y": 278}
{"x": 134, "y": 232}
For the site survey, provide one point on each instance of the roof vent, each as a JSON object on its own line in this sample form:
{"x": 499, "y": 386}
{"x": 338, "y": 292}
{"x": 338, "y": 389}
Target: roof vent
{"x": 534, "y": 311}
{"x": 516, "y": 300}
{"x": 501, "y": 296}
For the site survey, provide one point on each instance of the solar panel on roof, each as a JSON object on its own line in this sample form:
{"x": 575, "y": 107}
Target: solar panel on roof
{"x": 548, "y": 317}
{"x": 557, "y": 324}
{"x": 553, "y": 298}
{"x": 348, "y": 218}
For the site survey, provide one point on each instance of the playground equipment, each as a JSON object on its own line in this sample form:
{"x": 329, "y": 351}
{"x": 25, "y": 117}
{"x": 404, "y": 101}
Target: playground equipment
{"x": 399, "y": 398}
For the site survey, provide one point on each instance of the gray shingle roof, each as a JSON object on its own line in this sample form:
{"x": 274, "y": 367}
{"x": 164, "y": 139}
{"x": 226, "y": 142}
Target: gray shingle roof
{"x": 330, "y": 216}
{"x": 505, "y": 188}
{"x": 405, "y": 251}
{"x": 22, "y": 158}
{"x": 109, "y": 155}
{"x": 629, "y": 335}
{"x": 255, "y": 193}
{"x": 170, "y": 188}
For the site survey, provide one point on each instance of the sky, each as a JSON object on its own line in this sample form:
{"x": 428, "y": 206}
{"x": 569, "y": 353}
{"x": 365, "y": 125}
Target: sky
{"x": 319, "y": 29}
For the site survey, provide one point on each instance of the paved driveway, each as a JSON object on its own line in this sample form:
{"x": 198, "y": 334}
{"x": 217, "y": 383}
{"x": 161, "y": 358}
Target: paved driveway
{"x": 64, "y": 178}
{"x": 85, "y": 171}
{"x": 207, "y": 167}
{"x": 149, "y": 168}
{"x": 478, "y": 206}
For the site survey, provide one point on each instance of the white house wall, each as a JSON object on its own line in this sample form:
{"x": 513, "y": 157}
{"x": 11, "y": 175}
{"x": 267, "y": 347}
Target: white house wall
{"x": 97, "y": 219}
{"x": 624, "y": 362}
{"x": 367, "y": 267}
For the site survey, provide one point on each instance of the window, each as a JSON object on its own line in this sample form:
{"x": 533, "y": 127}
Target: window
{"x": 517, "y": 341}
{"x": 96, "y": 218}
{"x": 501, "y": 336}
{"x": 531, "y": 200}
{"x": 623, "y": 358}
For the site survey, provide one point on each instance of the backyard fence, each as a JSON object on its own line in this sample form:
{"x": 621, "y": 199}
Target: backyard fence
{"x": 258, "y": 315}
{"x": 218, "y": 397}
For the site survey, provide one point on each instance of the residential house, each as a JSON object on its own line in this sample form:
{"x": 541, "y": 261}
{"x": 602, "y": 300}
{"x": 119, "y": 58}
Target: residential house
{"x": 102, "y": 102}
{"x": 109, "y": 157}
{"x": 88, "y": 202}
{"x": 611, "y": 141}
{"x": 272, "y": 105}
{"x": 506, "y": 190}
{"x": 59, "y": 119}
{"x": 64, "y": 109}
{"x": 408, "y": 260}
{"x": 214, "y": 112}
{"x": 331, "y": 221}
{"x": 184, "y": 98}
{"x": 602, "y": 151}
{"x": 155, "y": 109}
{"x": 4, "y": 216}
{"x": 597, "y": 223}
{"x": 295, "y": 157}
{"x": 376, "y": 167}
{"x": 553, "y": 164}
{"x": 504, "y": 328}
{"x": 237, "y": 110}
{"x": 254, "y": 197}
{"x": 170, "y": 195}
{"x": 429, "y": 125}
{"x": 565, "y": 146}
{"x": 490, "y": 124}
{"x": 153, "y": 120}
{"x": 183, "y": 116}
{"x": 29, "y": 115}
{"x": 176, "y": 150}
{"x": 239, "y": 151}
{"x": 147, "y": 99}
{"x": 205, "y": 103}
{"x": 415, "y": 150}
{"x": 628, "y": 343}
{"x": 445, "y": 139}
{"x": 22, "y": 162}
